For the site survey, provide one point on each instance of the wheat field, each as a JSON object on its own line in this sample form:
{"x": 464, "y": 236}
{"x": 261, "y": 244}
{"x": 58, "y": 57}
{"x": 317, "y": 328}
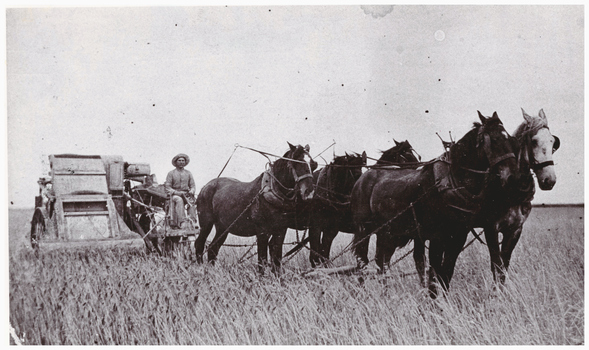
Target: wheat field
{"x": 119, "y": 295}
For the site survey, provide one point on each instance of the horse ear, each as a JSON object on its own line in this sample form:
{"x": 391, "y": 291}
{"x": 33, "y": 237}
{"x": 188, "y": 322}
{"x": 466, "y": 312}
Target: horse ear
{"x": 364, "y": 157}
{"x": 396, "y": 143}
{"x": 527, "y": 118}
{"x": 292, "y": 148}
{"x": 543, "y": 116}
{"x": 495, "y": 116}
{"x": 482, "y": 118}
{"x": 307, "y": 148}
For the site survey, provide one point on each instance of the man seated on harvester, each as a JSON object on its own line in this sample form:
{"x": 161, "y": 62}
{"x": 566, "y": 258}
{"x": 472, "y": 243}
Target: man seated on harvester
{"x": 180, "y": 187}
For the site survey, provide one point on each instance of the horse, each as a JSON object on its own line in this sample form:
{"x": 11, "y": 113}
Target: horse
{"x": 329, "y": 210}
{"x": 402, "y": 153}
{"x": 536, "y": 146}
{"x": 436, "y": 201}
{"x": 333, "y": 186}
{"x": 263, "y": 207}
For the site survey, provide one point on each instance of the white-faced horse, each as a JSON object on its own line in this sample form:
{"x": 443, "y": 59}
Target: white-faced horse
{"x": 536, "y": 145}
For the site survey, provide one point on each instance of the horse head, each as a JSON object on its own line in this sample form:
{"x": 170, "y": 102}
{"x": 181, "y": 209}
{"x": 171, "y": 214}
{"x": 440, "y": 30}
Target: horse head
{"x": 537, "y": 146}
{"x": 294, "y": 171}
{"x": 345, "y": 171}
{"x": 402, "y": 152}
{"x": 487, "y": 149}
{"x": 498, "y": 147}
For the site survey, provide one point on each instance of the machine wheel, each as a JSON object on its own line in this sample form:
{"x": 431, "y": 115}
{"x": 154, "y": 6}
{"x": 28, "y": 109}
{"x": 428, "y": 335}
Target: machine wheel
{"x": 38, "y": 229}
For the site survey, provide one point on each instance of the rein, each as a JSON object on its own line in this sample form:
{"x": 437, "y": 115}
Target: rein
{"x": 296, "y": 176}
{"x": 266, "y": 154}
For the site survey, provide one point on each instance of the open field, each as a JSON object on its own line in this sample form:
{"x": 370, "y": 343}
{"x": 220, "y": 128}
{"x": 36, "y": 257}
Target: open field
{"x": 120, "y": 295}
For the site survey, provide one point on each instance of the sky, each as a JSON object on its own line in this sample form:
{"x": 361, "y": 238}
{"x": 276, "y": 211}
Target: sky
{"x": 147, "y": 83}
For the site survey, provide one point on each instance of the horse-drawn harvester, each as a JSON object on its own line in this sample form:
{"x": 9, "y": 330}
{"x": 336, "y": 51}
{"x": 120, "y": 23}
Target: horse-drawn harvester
{"x": 102, "y": 198}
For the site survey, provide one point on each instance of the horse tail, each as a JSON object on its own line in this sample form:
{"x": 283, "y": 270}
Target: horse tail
{"x": 204, "y": 206}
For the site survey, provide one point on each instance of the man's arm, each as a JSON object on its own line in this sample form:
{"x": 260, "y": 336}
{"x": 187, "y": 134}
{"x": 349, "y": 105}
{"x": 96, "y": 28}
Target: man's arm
{"x": 191, "y": 185}
{"x": 168, "y": 184}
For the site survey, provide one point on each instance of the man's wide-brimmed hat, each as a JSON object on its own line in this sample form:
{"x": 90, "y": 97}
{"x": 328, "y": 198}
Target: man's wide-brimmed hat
{"x": 180, "y": 155}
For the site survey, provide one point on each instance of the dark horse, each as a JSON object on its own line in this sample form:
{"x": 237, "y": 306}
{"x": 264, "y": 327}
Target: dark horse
{"x": 330, "y": 209}
{"x": 333, "y": 187}
{"x": 507, "y": 215}
{"x": 261, "y": 208}
{"x": 435, "y": 202}
{"x": 401, "y": 154}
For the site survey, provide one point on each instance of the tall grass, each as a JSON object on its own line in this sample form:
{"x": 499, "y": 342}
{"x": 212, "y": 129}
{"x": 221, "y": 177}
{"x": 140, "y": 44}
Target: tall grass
{"x": 123, "y": 296}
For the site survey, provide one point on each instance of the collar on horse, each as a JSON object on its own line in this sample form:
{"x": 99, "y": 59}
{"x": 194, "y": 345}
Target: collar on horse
{"x": 455, "y": 196}
{"x": 276, "y": 197}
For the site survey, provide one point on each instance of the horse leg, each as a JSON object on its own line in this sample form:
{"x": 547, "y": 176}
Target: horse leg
{"x": 218, "y": 240}
{"x": 360, "y": 245}
{"x": 262, "y": 240}
{"x": 199, "y": 243}
{"x": 512, "y": 233}
{"x": 451, "y": 252}
{"x": 396, "y": 242}
{"x": 492, "y": 238}
{"x": 276, "y": 242}
{"x": 419, "y": 258}
{"x": 329, "y": 235}
{"x": 385, "y": 248}
{"x": 436, "y": 254}
{"x": 510, "y": 240}
{"x": 315, "y": 242}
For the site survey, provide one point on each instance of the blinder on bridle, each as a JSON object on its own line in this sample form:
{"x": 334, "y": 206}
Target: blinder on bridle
{"x": 556, "y": 144}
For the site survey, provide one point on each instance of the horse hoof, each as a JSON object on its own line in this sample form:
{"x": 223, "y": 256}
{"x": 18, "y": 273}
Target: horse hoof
{"x": 433, "y": 292}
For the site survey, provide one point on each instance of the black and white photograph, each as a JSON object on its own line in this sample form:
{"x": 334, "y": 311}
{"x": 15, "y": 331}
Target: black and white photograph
{"x": 294, "y": 174}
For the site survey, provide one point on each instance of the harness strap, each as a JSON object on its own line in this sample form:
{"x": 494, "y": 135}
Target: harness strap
{"x": 299, "y": 178}
{"x": 501, "y": 158}
{"x": 477, "y": 236}
{"x": 539, "y": 166}
{"x": 454, "y": 196}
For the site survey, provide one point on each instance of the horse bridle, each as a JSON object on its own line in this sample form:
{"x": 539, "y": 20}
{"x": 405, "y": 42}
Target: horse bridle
{"x": 535, "y": 166}
{"x": 486, "y": 148}
{"x": 296, "y": 176}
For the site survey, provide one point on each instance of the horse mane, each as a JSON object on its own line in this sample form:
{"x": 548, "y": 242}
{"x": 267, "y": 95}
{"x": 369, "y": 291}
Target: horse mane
{"x": 391, "y": 154}
{"x": 340, "y": 160}
{"x": 468, "y": 141}
{"x": 336, "y": 180}
{"x": 535, "y": 124}
{"x": 346, "y": 159}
